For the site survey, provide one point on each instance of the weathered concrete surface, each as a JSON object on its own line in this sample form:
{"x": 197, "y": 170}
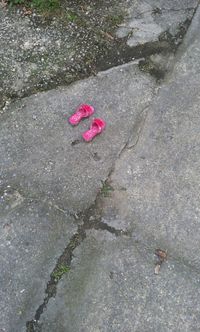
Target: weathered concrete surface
{"x": 37, "y": 150}
{"x": 112, "y": 286}
{"x": 45, "y": 180}
{"x": 148, "y": 20}
{"x": 33, "y": 235}
{"x": 48, "y": 176}
{"x": 38, "y": 53}
{"x": 161, "y": 176}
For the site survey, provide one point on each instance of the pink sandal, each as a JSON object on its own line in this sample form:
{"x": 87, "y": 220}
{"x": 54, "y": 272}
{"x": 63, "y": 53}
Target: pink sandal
{"x": 83, "y": 111}
{"x": 96, "y": 128}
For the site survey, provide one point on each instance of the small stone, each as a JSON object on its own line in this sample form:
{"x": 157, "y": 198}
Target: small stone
{"x": 157, "y": 269}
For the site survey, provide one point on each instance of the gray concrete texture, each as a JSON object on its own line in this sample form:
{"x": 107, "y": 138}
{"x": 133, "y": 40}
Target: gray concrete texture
{"x": 45, "y": 180}
{"x": 162, "y": 172}
{"x": 150, "y": 154}
{"x": 38, "y": 53}
{"x": 147, "y": 20}
{"x": 112, "y": 285}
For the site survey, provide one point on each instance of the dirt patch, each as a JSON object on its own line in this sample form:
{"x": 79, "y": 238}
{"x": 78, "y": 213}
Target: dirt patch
{"x": 39, "y": 52}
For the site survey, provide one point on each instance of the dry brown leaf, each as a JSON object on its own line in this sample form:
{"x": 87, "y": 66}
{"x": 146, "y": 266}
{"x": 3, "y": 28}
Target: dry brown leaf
{"x": 108, "y": 35}
{"x": 27, "y": 11}
{"x": 162, "y": 255}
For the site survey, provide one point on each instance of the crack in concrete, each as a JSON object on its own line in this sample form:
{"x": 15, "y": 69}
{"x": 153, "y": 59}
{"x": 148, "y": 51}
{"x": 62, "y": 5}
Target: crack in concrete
{"x": 178, "y": 9}
{"x": 91, "y": 219}
{"x": 158, "y": 10}
{"x": 138, "y": 128}
{"x": 118, "y": 53}
{"x": 63, "y": 211}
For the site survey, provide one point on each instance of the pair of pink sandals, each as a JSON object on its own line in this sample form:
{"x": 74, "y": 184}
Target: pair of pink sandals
{"x": 97, "y": 125}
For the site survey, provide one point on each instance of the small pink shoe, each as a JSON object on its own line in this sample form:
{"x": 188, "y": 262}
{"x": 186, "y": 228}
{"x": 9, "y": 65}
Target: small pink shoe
{"x": 83, "y": 111}
{"x": 96, "y": 128}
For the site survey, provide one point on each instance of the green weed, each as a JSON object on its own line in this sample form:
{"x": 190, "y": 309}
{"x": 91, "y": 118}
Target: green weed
{"x": 114, "y": 20}
{"x": 46, "y": 5}
{"x": 59, "y": 271}
{"x": 106, "y": 189}
{"x": 71, "y": 16}
{"x": 15, "y": 2}
{"x": 41, "y": 5}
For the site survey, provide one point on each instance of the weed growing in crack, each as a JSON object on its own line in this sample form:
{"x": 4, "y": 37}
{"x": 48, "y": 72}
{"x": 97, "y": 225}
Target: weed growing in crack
{"x": 60, "y": 271}
{"x": 106, "y": 189}
{"x": 64, "y": 261}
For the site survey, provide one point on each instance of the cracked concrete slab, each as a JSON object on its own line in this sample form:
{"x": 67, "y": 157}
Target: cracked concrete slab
{"x": 38, "y": 146}
{"x": 38, "y": 53}
{"x": 112, "y": 285}
{"x": 161, "y": 177}
{"x": 33, "y": 236}
{"x": 148, "y": 20}
{"x": 46, "y": 177}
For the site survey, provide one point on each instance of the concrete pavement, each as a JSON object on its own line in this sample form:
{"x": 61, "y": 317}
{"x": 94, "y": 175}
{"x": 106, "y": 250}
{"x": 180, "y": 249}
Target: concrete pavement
{"x": 155, "y": 197}
{"x": 80, "y": 222}
{"x": 47, "y": 179}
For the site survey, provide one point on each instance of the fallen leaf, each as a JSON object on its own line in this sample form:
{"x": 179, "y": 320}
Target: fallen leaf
{"x": 162, "y": 255}
{"x": 27, "y": 11}
{"x": 108, "y": 35}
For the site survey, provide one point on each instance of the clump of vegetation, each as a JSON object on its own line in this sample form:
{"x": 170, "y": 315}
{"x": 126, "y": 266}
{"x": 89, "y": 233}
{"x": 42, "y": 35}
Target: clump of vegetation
{"x": 16, "y": 2}
{"x": 46, "y": 4}
{"x": 59, "y": 271}
{"x": 42, "y": 5}
{"x": 71, "y": 16}
{"x": 115, "y": 20}
{"x": 106, "y": 189}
